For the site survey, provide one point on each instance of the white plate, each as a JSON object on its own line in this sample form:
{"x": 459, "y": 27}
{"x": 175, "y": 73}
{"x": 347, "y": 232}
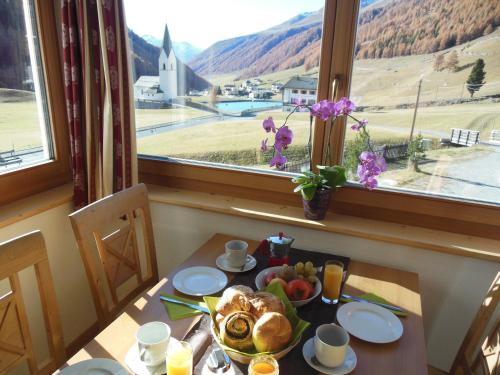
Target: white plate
{"x": 96, "y": 366}
{"x": 261, "y": 284}
{"x": 348, "y": 365}
{"x": 199, "y": 281}
{"x": 370, "y": 322}
{"x": 139, "y": 368}
{"x": 221, "y": 262}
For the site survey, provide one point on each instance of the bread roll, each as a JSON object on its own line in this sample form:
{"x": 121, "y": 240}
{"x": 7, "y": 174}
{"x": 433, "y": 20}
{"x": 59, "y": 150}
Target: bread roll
{"x": 218, "y": 319}
{"x": 236, "y": 330}
{"x": 272, "y": 332}
{"x": 263, "y": 302}
{"x": 234, "y": 299}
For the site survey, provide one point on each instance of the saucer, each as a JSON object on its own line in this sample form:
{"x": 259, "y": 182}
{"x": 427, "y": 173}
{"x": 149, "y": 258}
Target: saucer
{"x": 221, "y": 262}
{"x": 348, "y": 365}
{"x": 138, "y": 367}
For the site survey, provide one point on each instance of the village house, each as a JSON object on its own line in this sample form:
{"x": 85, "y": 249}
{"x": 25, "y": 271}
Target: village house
{"x": 299, "y": 90}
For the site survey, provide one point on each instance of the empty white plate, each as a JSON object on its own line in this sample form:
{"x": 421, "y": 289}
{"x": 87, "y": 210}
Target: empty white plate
{"x": 221, "y": 262}
{"x": 370, "y": 322}
{"x": 199, "y": 281}
{"x": 346, "y": 367}
{"x": 96, "y": 366}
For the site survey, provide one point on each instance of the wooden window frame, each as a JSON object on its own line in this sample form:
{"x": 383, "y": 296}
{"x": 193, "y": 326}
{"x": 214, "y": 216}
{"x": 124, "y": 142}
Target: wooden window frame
{"x": 26, "y": 181}
{"x": 339, "y": 32}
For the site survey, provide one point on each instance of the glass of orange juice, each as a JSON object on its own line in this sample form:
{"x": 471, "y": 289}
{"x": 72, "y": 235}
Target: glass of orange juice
{"x": 332, "y": 281}
{"x": 180, "y": 359}
{"x": 263, "y": 365}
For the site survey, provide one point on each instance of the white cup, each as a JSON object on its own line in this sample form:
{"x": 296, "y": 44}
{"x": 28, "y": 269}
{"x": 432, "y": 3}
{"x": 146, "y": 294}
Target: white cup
{"x": 152, "y": 341}
{"x": 236, "y": 253}
{"x": 330, "y": 344}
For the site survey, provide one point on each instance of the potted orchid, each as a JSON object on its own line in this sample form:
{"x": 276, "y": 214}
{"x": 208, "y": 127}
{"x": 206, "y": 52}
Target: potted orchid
{"x": 316, "y": 188}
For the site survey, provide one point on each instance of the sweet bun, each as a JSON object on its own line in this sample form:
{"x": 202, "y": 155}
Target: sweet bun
{"x": 218, "y": 319}
{"x": 263, "y": 302}
{"x": 271, "y": 332}
{"x": 234, "y": 299}
{"x": 236, "y": 330}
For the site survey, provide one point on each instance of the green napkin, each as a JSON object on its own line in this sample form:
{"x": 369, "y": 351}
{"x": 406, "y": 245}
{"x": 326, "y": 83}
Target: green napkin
{"x": 176, "y": 312}
{"x": 374, "y": 298}
{"x": 298, "y": 325}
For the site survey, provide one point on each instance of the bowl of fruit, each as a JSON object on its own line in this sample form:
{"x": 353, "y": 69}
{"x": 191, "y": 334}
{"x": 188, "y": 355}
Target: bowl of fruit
{"x": 299, "y": 281}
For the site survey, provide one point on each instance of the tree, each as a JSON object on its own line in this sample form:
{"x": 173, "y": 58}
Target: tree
{"x": 439, "y": 63}
{"x": 452, "y": 61}
{"x": 476, "y": 77}
{"x": 416, "y": 152}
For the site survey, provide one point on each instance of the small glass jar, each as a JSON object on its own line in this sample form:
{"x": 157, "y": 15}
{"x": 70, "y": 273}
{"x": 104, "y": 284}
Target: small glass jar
{"x": 263, "y": 365}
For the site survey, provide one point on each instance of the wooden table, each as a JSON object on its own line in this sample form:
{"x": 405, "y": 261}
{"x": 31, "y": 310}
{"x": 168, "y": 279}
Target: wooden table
{"x": 405, "y": 356}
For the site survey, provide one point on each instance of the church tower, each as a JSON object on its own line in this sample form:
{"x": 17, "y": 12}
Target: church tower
{"x": 167, "y": 66}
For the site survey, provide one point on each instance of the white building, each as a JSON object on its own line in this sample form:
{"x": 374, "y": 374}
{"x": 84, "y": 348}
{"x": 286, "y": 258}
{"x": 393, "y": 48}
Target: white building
{"x": 299, "y": 90}
{"x": 164, "y": 87}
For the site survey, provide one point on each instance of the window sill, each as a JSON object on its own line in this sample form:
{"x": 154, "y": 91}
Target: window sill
{"x": 35, "y": 204}
{"x": 428, "y": 239}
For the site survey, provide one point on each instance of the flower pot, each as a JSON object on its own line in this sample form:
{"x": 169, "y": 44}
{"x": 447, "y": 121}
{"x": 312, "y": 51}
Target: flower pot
{"x": 315, "y": 209}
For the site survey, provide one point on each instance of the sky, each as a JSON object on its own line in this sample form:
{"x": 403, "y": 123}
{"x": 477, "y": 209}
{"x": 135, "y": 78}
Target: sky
{"x": 204, "y": 22}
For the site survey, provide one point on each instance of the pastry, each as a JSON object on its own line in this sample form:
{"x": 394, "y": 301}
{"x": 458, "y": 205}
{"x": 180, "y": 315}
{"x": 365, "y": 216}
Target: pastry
{"x": 262, "y": 302}
{"x": 218, "y": 319}
{"x": 234, "y": 299}
{"x": 236, "y": 330}
{"x": 272, "y": 332}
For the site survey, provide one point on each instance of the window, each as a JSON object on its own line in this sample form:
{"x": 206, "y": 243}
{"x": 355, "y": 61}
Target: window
{"x": 295, "y": 91}
{"x": 303, "y": 92}
{"x": 431, "y": 100}
{"x": 34, "y": 153}
{"x": 26, "y": 136}
{"x": 312, "y": 92}
{"x": 199, "y": 115}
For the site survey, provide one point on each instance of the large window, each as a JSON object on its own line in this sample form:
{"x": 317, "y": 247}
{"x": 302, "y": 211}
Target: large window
{"x": 204, "y": 81}
{"x": 25, "y": 132}
{"x": 426, "y": 75}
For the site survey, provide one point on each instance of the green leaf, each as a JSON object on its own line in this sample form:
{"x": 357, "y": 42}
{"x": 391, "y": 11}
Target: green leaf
{"x": 299, "y": 179}
{"x": 308, "y": 192}
{"x": 334, "y": 175}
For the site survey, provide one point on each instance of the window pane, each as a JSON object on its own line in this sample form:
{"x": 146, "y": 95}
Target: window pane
{"x": 427, "y": 77}
{"x": 206, "y": 80}
{"x": 24, "y": 132}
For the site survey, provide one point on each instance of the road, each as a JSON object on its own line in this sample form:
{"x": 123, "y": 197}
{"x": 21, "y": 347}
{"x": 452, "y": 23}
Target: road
{"x": 476, "y": 178}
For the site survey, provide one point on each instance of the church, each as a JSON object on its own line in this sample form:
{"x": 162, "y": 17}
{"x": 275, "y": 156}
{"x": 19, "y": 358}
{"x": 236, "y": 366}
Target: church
{"x": 174, "y": 78}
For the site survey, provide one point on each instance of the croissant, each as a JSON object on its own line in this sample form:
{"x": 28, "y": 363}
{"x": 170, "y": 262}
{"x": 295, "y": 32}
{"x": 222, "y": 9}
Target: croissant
{"x": 234, "y": 299}
{"x": 263, "y": 302}
{"x": 236, "y": 330}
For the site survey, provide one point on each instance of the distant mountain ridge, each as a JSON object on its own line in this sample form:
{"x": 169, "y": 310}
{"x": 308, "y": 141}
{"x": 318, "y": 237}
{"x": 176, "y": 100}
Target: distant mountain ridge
{"x": 293, "y": 43}
{"x": 183, "y": 50}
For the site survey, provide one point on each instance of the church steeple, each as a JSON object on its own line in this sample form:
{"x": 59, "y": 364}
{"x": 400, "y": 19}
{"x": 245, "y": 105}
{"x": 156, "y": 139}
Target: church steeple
{"x": 167, "y": 43}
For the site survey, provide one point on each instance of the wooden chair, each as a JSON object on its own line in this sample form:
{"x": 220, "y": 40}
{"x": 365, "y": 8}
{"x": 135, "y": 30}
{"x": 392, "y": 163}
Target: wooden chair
{"x": 15, "y": 339}
{"x": 110, "y": 224}
{"x": 480, "y": 350}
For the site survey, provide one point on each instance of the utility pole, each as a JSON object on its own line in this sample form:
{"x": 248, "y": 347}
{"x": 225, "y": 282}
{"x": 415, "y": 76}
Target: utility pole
{"x": 416, "y": 108}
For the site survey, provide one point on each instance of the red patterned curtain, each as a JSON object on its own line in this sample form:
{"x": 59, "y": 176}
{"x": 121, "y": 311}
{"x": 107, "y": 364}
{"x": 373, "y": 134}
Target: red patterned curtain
{"x": 98, "y": 97}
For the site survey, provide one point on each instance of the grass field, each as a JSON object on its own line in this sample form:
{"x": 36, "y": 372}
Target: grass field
{"x": 19, "y": 125}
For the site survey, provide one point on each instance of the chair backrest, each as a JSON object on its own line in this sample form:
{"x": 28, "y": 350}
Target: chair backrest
{"x": 480, "y": 350}
{"x": 15, "y": 339}
{"x": 110, "y": 225}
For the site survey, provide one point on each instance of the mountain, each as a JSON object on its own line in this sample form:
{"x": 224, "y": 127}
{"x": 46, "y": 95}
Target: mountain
{"x": 152, "y": 40}
{"x": 293, "y": 43}
{"x": 15, "y": 58}
{"x": 185, "y": 51}
{"x": 429, "y": 26}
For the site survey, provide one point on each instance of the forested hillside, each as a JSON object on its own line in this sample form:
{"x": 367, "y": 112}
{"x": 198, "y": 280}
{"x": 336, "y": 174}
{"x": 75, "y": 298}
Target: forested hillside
{"x": 14, "y": 55}
{"x": 429, "y": 26}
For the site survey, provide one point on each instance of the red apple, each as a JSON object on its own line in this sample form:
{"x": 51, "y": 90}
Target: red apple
{"x": 277, "y": 280}
{"x": 298, "y": 290}
{"x": 269, "y": 277}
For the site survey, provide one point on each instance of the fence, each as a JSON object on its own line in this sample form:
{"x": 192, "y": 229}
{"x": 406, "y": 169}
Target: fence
{"x": 393, "y": 152}
{"x": 464, "y": 137}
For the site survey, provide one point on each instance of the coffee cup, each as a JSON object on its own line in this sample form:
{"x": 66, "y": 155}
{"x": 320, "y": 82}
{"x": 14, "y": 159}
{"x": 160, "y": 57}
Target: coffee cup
{"x": 330, "y": 344}
{"x": 152, "y": 341}
{"x": 236, "y": 253}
